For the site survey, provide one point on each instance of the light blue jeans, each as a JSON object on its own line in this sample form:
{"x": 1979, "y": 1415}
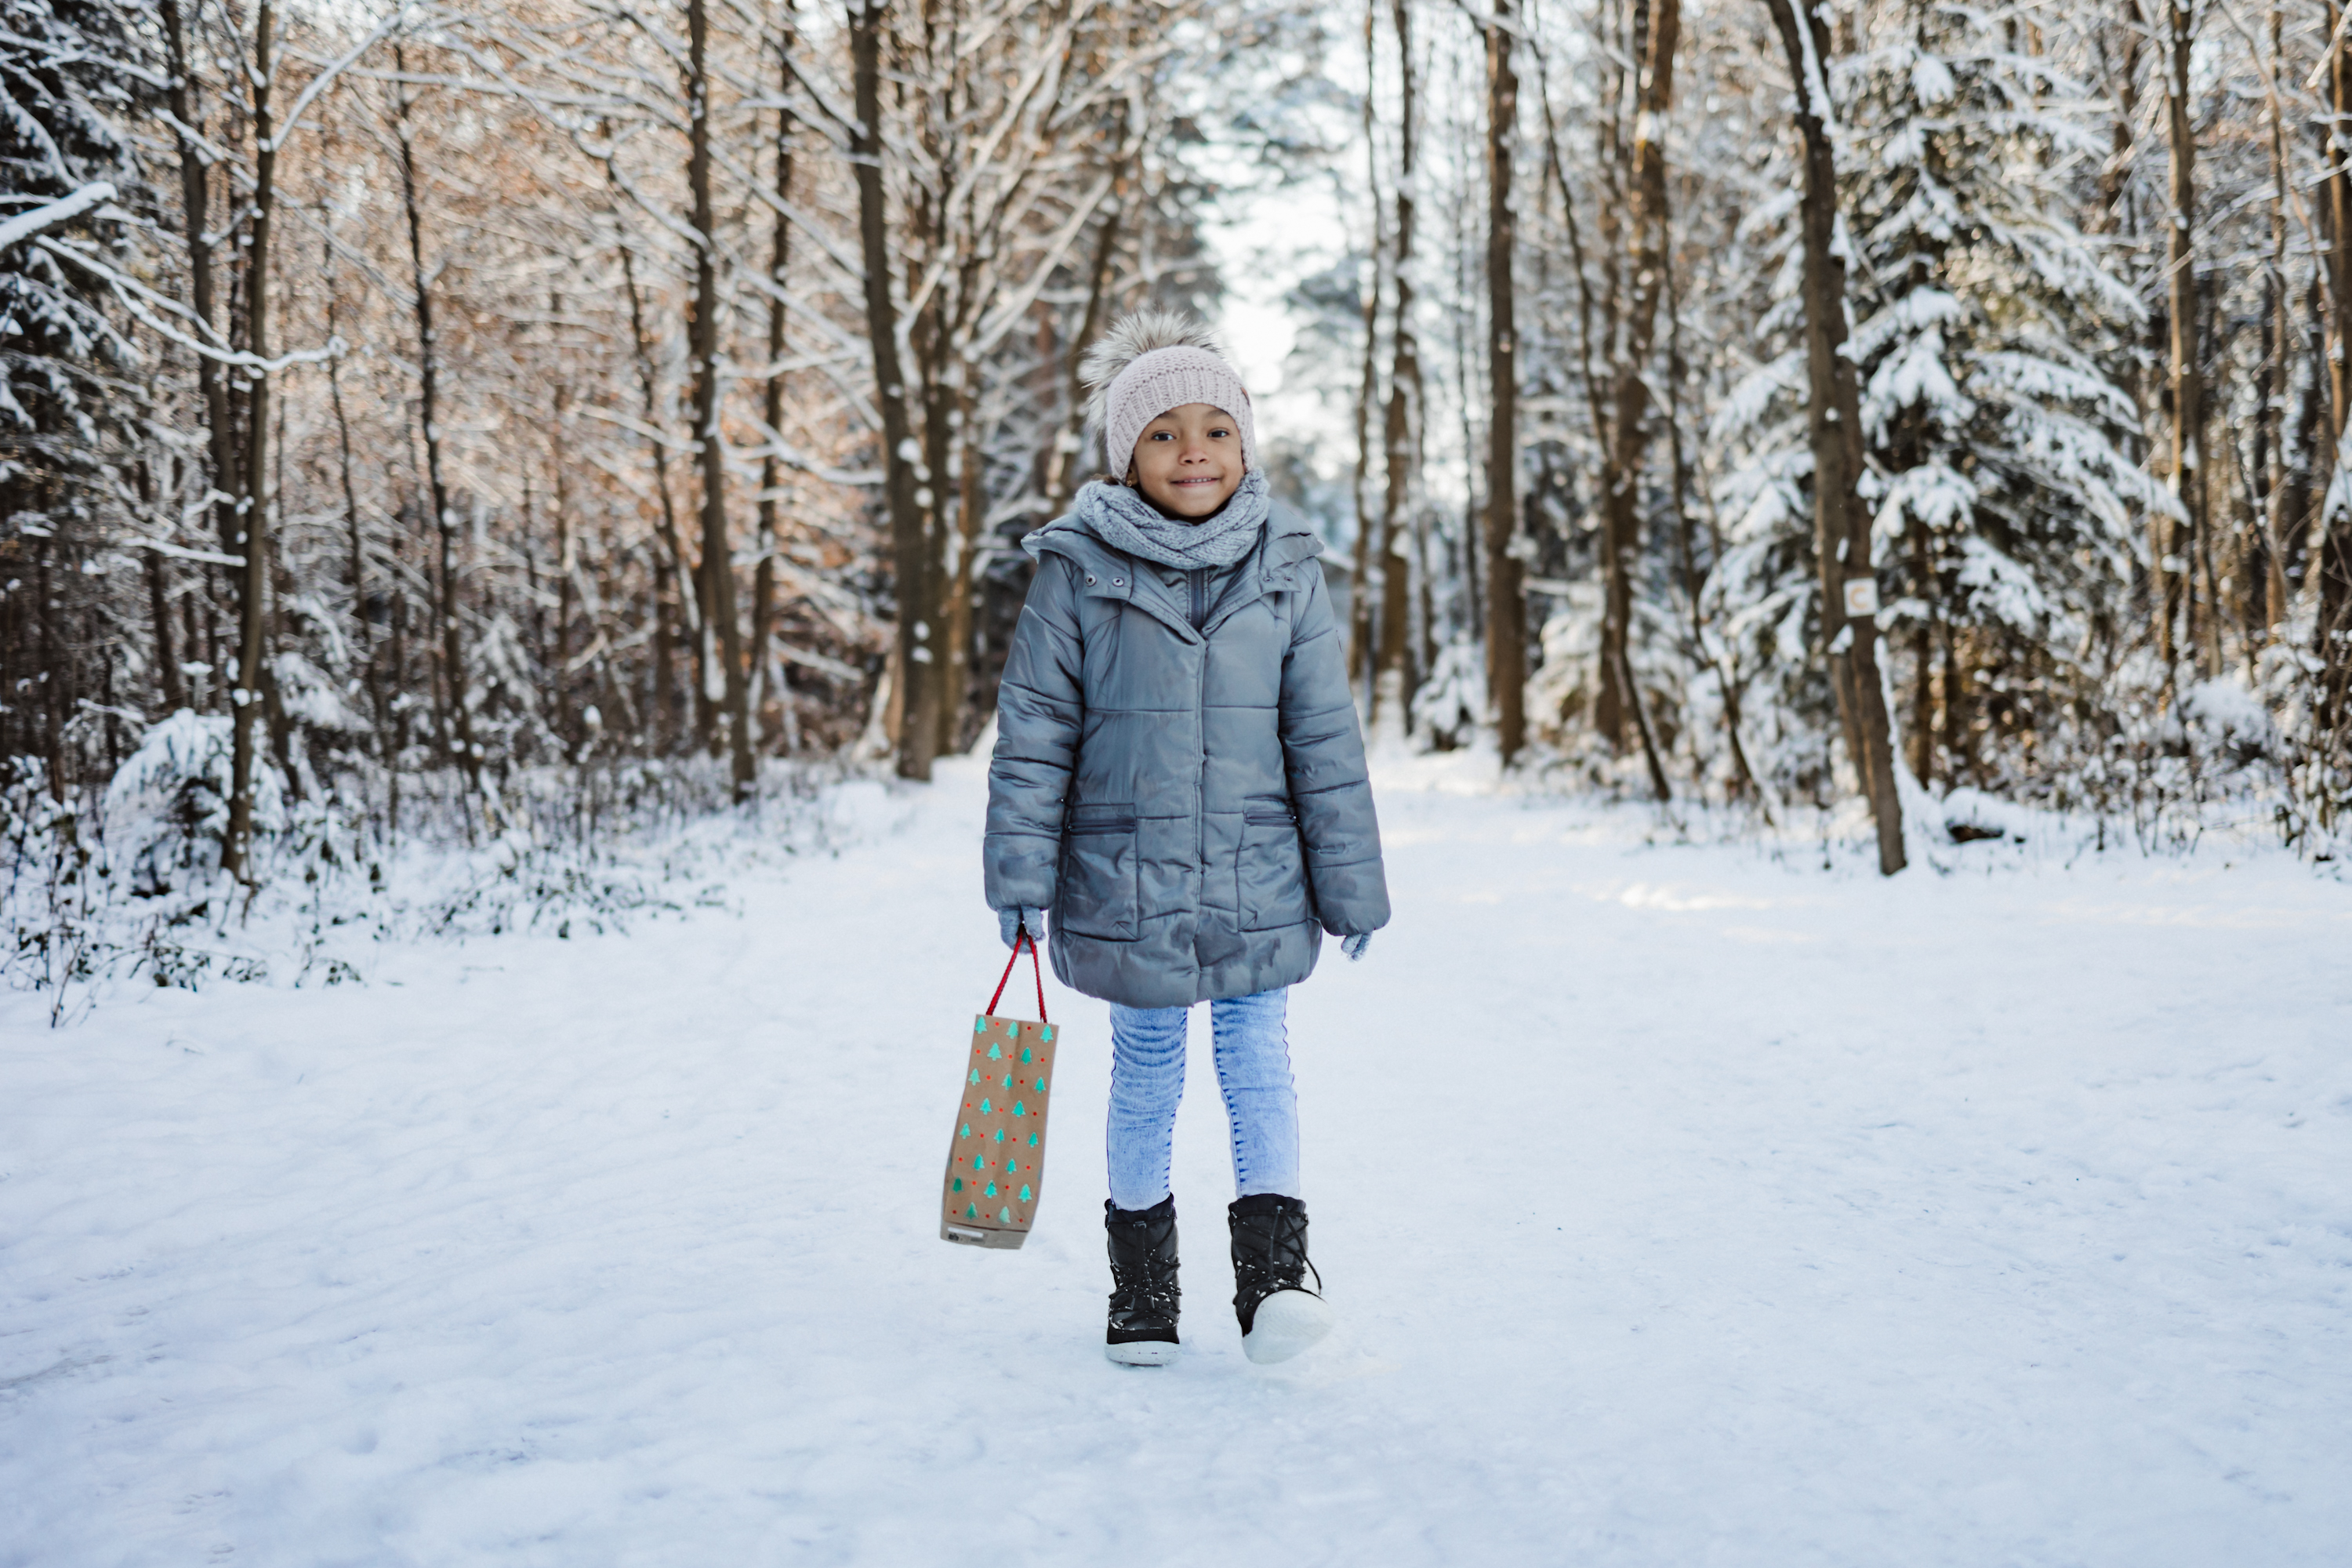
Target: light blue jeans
{"x": 1147, "y": 1080}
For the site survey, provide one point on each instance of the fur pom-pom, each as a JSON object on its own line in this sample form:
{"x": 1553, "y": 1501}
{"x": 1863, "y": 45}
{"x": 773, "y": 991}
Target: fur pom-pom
{"x": 1131, "y": 337}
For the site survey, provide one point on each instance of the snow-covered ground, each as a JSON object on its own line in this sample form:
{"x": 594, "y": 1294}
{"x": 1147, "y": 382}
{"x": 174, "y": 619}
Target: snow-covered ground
{"x": 1682, "y": 1206}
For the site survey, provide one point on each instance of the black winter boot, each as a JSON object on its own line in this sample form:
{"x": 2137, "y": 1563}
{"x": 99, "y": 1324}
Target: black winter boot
{"x": 1144, "y": 1294}
{"x": 1280, "y": 1315}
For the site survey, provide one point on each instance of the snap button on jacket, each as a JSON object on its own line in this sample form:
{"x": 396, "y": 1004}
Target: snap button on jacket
{"x": 1191, "y": 806}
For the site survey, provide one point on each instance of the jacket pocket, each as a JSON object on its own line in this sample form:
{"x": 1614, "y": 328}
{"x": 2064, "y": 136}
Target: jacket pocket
{"x": 1100, "y": 876}
{"x": 1271, "y": 873}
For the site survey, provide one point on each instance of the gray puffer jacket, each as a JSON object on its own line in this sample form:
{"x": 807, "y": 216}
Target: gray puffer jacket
{"x": 1189, "y": 805}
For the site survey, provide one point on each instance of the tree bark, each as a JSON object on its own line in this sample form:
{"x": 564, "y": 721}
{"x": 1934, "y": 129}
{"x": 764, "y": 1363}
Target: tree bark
{"x": 1361, "y": 654}
{"x": 196, "y": 205}
{"x": 172, "y": 682}
{"x": 956, "y": 602}
{"x": 2286, "y": 493}
{"x": 253, "y": 537}
{"x": 1658, "y": 30}
{"x": 763, "y": 582}
{"x": 1506, "y": 610}
{"x": 159, "y": 606}
{"x": 428, "y": 378}
{"x": 1657, "y": 35}
{"x": 567, "y": 728}
{"x": 918, "y": 702}
{"x": 718, "y": 553}
{"x": 1841, "y": 526}
{"x": 1402, "y": 426}
{"x": 2115, "y": 174}
{"x": 2170, "y": 572}
{"x": 2338, "y": 208}
{"x": 355, "y": 538}
{"x": 1070, "y": 442}
{"x": 670, "y": 560}
{"x": 2334, "y": 629}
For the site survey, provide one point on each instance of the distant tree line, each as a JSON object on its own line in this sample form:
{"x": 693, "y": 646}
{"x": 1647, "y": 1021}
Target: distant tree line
{"x": 1769, "y": 403}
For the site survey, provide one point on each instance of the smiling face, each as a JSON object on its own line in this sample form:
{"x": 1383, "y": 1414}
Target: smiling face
{"x": 1188, "y": 462}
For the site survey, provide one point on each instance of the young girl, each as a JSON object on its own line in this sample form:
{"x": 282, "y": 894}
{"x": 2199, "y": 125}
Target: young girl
{"x": 1179, "y": 778}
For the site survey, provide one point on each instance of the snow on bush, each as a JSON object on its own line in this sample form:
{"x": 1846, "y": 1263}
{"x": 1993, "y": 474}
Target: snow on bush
{"x": 134, "y": 888}
{"x": 1446, "y": 707}
{"x": 166, "y": 810}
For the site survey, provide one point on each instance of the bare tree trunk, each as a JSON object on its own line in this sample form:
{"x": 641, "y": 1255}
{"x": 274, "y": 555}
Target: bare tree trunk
{"x": 2169, "y": 539}
{"x": 763, "y": 582}
{"x": 198, "y": 631}
{"x": 2117, "y": 172}
{"x": 2284, "y": 501}
{"x": 1062, "y": 483}
{"x": 355, "y": 537}
{"x": 396, "y": 744}
{"x": 1401, "y": 428}
{"x": 2205, "y": 629}
{"x": 718, "y": 554}
{"x": 559, "y": 676}
{"x": 919, "y": 691}
{"x": 671, "y": 561}
{"x": 1657, "y": 29}
{"x": 928, "y": 339}
{"x": 281, "y": 590}
{"x": 253, "y": 539}
{"x": 956, "y": 607}
{"x": 444, "y": 518}
{"x": 1841, "y": 526}
{"x": 159, "y": 604}
{"x": 1359, "y": 605}
{"x": 56, "y": 693}
{"x": 2266, "y": 471}
{"x": 935, "y": 238}
{"x": 363, "y": 633}
{"x": 2334, "y": 630}
{"x": 2338, "y": 208}
{"x": 664, "y": 695}
{"x": 1507, "y": 609}
{"x": 195, "y": 203}
{"x": 173, "y": 683}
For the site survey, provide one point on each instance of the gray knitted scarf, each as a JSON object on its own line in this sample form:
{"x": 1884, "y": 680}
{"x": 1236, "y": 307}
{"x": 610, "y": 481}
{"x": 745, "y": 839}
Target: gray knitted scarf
{"x": 1122, "y": 519}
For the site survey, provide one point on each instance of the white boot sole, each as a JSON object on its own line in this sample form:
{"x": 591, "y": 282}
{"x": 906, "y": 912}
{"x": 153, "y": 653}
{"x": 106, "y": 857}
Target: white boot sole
{"x": 1142, "y": 1353}
{"x": 1286, "y": 1322}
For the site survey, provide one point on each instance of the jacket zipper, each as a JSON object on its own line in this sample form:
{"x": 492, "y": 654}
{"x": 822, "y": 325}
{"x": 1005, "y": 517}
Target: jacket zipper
{"x": 1199, "y": 576}
{"x": 1201, "y": 783}
{"x": 1112, "y": 825}
{"x": 1270, "y": 819}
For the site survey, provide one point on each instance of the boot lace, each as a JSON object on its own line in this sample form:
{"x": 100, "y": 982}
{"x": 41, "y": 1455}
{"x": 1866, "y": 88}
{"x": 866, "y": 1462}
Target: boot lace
{"x": 1271, "y": 1257}
{"x": 1144, "y": 1285}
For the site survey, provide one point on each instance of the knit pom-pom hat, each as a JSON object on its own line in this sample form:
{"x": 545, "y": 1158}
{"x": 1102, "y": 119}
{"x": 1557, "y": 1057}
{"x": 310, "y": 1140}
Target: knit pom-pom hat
{"x": 1149, "y": 362}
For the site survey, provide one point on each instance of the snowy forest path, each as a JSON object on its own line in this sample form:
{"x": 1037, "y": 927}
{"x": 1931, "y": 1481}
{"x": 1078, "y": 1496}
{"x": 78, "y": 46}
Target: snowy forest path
{"x": 1680, "y": 1204}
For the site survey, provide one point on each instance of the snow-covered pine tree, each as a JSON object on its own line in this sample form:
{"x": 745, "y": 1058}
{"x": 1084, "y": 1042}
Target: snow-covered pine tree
{"x": 1997, "y": 439}
{"x": 2003, "y": 490}
{"x": 72, "y": 71}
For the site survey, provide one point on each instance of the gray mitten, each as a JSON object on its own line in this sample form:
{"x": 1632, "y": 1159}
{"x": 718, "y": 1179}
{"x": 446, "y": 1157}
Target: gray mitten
{"x": 1010, "y": 921}
{"x": 1353, "y": 946}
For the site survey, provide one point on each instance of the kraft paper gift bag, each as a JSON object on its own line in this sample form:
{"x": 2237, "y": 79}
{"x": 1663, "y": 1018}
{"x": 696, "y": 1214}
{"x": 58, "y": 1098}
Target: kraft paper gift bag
{"x": 996, "y": 1160}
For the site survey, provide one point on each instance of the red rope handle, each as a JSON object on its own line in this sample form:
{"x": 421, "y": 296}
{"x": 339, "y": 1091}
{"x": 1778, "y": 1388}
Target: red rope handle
{"x": 1023, "y": 938}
